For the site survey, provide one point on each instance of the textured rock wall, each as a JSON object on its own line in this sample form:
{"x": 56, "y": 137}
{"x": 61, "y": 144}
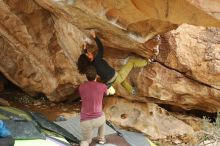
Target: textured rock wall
{"x": 194, "y": 51}
{"x": 148, "y": 118}
{"x": 40, "y": 41}
{"x": 45, "y": 35}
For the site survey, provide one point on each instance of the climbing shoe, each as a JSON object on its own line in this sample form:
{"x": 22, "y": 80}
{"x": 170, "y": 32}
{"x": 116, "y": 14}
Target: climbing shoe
{"x": 102, "y": 142}
{"x": 134, "y": 91}
{"x": 111, "y": 91}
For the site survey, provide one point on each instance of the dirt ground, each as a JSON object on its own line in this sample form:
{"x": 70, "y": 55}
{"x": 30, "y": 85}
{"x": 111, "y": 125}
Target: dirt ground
{"x": 41, "y": 104}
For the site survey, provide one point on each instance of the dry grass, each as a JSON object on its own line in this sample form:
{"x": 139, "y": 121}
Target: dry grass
{"x": 209, "y": 135}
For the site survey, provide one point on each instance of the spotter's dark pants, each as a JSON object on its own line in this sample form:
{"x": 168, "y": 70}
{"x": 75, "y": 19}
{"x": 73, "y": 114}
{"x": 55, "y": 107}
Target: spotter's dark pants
{"x": 7, "y": 141}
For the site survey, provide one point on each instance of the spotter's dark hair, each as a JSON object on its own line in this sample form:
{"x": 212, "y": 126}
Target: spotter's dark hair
{"x": 91, "y": 73}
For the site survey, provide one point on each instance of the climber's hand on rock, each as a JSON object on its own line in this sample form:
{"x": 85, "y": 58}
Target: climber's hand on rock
{"x": 84, "y": 45}
{"x": 93, "y": 33}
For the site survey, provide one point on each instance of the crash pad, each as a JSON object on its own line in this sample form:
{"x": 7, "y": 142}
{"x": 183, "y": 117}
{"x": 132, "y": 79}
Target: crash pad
{"x": 41, "y": 142}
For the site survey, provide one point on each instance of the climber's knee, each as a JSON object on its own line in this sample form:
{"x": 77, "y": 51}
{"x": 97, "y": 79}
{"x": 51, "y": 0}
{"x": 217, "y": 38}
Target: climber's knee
{"x": 138, "y": 62}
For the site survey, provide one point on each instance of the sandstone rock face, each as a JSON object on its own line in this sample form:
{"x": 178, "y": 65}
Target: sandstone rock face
{"x": 47, "y": 43}
{"x": 147, "y": 118}
{"x": 194, "y": 51}
{"x": 40, "y": 42}
{"x": 211, "y": 7}
{"x": 160, "y": 84}
{"x": 33, "y": 55}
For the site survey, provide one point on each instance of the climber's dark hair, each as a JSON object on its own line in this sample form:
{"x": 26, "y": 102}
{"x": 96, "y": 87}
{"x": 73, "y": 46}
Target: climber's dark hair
{"x": 82, "y": 63}
{"x": 91, "y": 73}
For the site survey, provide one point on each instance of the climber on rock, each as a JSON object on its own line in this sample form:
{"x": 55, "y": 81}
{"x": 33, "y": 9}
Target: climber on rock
{"x": 107, "y": 74}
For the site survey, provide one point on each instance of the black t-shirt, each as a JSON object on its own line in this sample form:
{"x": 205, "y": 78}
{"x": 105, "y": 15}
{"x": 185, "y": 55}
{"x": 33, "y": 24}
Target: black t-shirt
{"x": 104, "y": 70}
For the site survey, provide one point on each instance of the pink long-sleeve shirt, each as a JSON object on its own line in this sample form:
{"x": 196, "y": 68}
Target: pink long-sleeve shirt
{"x": 91, "y": 93}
